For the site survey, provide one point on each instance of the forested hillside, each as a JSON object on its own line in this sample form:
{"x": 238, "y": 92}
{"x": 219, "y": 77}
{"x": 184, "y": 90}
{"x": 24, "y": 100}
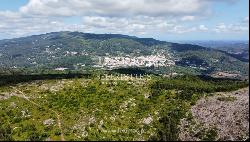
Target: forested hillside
{"x": 81, "y": 51}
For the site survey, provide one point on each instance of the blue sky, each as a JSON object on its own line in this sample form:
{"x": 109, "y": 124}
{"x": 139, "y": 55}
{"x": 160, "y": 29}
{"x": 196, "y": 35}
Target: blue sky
{"x": 164, "y": 20}
{"x": 12, "y": 5}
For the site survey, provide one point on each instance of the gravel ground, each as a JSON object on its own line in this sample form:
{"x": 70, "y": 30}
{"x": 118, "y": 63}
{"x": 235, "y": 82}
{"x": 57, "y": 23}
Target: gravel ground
{"x": 226, "y": 113}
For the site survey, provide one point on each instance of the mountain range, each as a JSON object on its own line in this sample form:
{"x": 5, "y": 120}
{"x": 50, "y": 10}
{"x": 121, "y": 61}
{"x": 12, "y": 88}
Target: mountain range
{"x": 81, "y": 51}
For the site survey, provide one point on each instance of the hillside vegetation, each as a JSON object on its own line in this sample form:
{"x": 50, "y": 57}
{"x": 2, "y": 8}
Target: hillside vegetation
{"x": 81, "y": 51}
{"x": 100, "y": 109}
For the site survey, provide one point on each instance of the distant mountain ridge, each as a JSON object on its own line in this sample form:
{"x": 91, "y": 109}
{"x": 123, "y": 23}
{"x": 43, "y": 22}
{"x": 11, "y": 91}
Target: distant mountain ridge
{"x": 237, "y": 49}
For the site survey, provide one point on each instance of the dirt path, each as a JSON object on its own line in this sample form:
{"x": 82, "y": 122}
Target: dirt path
{"x": 22, "y": 95}
{"x": 59, "y": 124}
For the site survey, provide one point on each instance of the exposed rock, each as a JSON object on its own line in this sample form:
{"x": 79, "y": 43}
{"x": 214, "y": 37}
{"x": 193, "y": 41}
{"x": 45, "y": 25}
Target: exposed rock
{"x": 48, "y": 122}
{"x": 146, "y": 96}
{"x": 25, "y": 113}
{"x": 92, "y": 120}
{"x": 147, "y": 120}
{"x": 100, "y": 124}
{"x": 13, "y": 104}
{"x": 6, "y": 95}
{"x": 230, "y": 117}
{"x": 129, "y": 103}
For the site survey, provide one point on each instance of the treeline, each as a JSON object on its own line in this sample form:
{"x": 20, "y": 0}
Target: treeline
{"x": 199, "y": 84}
{"x": 132, "y": 70}
{"x": 14, "y": 79}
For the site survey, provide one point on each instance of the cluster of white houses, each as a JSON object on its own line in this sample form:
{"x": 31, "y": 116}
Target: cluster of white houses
{"x": 139, "y": 61}
{"x": 111, "y": 62}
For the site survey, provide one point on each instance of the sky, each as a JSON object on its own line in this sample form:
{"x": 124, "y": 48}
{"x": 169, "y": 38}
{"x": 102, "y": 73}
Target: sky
{"x": 166, "y": 20}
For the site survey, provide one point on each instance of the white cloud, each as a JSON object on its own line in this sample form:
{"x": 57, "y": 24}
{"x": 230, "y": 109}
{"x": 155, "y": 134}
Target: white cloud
{"x": 232, "y": 28}
{"x": 246, "y": 19}
{"x": 203, "y": 28}
{"x": 188, "y": 18}
{"x": 137, "y": 25}
{"x": 181, "y": 29}
{"x": 138, "y": 17}
{"x": 111, "y": 8}
{"x": 221, "y": 27}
